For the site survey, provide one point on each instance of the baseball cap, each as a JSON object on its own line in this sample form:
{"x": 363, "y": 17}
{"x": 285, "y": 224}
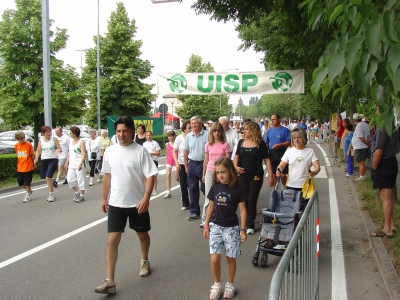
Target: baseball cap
{"x": 209, "y": 121}
{"x": 262, "y": 120}
{"x": 356, "y": 116}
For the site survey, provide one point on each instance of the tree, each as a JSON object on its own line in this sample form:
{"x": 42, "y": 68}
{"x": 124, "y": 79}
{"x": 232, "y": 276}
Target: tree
{"x": 21, "y": 74}
{"x": 280, "y": 30}
{"x": 365, "y": 53}
{"x": 206, "y": 107}
{"x": 121, "y": 72}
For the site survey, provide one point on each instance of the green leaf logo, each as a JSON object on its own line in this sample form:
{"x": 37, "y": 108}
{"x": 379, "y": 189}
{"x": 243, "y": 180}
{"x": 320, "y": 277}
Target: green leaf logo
{"x": 177, "y": 83}
{"x": 282, "y": 81}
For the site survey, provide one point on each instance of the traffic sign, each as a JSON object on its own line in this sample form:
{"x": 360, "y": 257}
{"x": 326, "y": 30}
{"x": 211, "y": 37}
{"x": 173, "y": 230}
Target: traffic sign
{"x": 163, "y": 107}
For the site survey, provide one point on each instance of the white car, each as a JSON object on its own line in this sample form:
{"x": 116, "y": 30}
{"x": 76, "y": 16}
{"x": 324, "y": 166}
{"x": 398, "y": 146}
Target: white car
{"x": 7, "y": 137}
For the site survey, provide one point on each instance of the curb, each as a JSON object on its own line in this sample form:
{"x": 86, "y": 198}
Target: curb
{"x": 17, "y": 188}
{"x": 385, "y": 264}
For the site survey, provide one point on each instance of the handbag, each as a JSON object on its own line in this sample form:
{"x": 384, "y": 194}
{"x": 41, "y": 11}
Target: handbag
{"x": 93, "y": 155}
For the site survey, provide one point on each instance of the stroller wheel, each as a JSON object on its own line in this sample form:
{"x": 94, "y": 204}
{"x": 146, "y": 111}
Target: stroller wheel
{"x": 255, "y": 258}
{"x": 264, "y": 260}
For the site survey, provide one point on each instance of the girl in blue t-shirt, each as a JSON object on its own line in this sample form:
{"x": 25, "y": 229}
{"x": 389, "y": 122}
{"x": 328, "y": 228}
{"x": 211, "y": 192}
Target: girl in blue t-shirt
{"x": 347, "y": 150}
{"x": 221, "y": 226}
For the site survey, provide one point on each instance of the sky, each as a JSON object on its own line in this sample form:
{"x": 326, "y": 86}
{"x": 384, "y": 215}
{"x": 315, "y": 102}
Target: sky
{"x": 170, "y": 32}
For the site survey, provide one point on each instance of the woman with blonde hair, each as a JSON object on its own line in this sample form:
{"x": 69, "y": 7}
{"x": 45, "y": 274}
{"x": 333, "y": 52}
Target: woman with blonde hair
{"x": 216, "y": 148}
{"x": 300, "y": 159}
{"x": 250, "y": 154}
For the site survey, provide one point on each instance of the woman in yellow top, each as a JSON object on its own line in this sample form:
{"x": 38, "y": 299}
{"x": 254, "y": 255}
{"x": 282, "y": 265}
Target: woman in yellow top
{"x": 105, "y": 142}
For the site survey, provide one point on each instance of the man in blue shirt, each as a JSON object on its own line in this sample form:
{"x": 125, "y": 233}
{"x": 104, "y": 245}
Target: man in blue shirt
{"x": 277, "y": 139}
{"x": 303, "y": 124}
{"x": 193, "y": 155}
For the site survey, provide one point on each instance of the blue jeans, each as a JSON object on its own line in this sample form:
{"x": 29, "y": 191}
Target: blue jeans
{"x": 350, "y": 164}
{"x": 194, "y": 176}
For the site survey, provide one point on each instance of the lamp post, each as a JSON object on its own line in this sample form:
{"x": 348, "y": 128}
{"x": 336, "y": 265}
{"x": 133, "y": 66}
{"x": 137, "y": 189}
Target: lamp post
{"x": 172, "y": 103}
{"x": 233, "y": 69}
{"x": 98, "y": 64}
{"x": 46, "y": 63}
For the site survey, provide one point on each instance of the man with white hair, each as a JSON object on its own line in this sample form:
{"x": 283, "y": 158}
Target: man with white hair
{"x": 231, "y": 134}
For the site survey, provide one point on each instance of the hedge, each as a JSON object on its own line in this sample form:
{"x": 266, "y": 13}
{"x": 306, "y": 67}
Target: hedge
{"x": 8, "y": 166}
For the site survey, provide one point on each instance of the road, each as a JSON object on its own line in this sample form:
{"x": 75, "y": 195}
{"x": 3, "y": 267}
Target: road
{"x": 57, "y": 250}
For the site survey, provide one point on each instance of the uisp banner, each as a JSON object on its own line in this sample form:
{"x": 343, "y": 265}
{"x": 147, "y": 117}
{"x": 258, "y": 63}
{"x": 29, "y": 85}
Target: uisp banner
{"x": 269, "y": 82}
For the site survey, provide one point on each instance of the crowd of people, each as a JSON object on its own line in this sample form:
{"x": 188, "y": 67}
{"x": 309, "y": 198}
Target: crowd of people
{"x": 222, "y": 162}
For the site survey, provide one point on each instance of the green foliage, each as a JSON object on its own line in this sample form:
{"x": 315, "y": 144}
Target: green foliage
{"x": 364, "y": 56}
{"x": 8, "y": 166}
{"x": 21, "y": 74}
{"x": 206, "y": 107}
{"x": 121, "y": 72}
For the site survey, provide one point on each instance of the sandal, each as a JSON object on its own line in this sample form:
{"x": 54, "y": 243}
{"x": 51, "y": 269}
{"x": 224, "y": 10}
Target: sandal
{"x": 381, "y": 234}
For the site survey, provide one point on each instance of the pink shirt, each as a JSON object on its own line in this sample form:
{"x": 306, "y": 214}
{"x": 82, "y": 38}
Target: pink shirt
{"x": 170, "y": 158}
{"x": 216, "y": 151}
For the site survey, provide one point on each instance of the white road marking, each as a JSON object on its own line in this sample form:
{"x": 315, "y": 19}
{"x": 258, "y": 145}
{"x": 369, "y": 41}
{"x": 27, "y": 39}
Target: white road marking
{"x": 63, "y": 237}
{"x": 339, "y": 290}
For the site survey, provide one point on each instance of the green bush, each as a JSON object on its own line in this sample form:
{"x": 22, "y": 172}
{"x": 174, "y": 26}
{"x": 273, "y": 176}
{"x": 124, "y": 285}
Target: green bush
{"x": 8, "y": 166}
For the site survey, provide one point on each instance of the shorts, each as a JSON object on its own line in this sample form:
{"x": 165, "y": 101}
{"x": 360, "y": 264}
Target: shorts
{"x": 24, "y": 178}
{"x": 384, "y": 177}
{"x": 48, "y": 167}
{"x": 338, "y": 140}
{"x": 225, "y": 237}
{"x": 360, "y": 154}
{"x": 169, "y": 166}
{"x": 62, "y": 161}
{"x": 276, "y": 156}
{"x": 117, "y": 217}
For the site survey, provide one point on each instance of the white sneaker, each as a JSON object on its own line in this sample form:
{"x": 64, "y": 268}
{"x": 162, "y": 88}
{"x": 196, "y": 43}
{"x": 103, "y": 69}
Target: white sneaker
{"x": 229, "y": 291}
{"x": 144, "y": 268}
{"x": 155, "y": 193}
{"x": 250, "y": 231}
{"x": 215, "y": 291}
{"x": 51, "y": 198}
{"x": 98, "y": 180}
{"x": 76, "y": 196}
{"x": 167, "y": 195}
{"x": 27, "y": 198}
{"x": 361, "y": 178}
{"x": 184, "y": 208}
{"x": 90, "y": 182}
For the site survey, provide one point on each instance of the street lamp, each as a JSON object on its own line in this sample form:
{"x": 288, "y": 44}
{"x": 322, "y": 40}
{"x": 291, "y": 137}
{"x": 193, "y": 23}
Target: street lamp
{"x": 98, "y": 64}
{"x": 46, "y": 63}
{"x": 234, "y": 69}
{"x": 172, "y": 102}
{"x": 83, "y": 50}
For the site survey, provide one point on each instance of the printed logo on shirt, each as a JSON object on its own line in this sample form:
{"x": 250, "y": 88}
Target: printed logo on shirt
{"x": 222, "y": 198}
{"x": 299, "y": 159}
{"x": 256, "y": 178}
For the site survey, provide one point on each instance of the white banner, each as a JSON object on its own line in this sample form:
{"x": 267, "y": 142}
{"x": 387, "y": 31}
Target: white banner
{"x": 269, "y": 82}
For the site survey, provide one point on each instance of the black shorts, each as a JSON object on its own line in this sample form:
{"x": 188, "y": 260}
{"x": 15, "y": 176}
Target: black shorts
{"x": 48, "y": 167}
{"x": 276, "y": 156}
{"x": 117, "y": 217}
{"x": 384, "y": 177}
{"x": 24, "y": 178}
{"x": 360, "y": 154}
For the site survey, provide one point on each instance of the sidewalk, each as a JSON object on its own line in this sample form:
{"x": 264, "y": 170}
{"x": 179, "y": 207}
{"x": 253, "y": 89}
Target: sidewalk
{"x": 386, "y": 268}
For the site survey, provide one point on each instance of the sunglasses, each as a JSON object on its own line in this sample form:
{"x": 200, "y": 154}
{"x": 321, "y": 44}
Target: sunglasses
{"x": 216, "y": 130}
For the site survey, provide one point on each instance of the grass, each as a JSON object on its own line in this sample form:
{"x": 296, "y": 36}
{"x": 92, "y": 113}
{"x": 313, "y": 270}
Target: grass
{"x": 373, "y": 205}
{"x": 12, "y": 182}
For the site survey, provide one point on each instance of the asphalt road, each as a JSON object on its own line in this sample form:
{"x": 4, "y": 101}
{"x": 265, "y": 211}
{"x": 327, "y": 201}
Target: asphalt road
{"x": 57, "y": 250}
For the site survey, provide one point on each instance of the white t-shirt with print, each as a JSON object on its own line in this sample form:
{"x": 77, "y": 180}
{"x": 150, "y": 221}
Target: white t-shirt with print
{"x": 128, "y": 166}
{"x": 299, "y": 162}
{"x": 152, "y": 147}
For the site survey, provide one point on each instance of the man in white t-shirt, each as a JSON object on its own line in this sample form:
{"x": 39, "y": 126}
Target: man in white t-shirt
{"x": 128, "y": 172}
{"x": 231, "y": 135}
{"x": 360, "y": 144}
{"x": 64, "y": 142}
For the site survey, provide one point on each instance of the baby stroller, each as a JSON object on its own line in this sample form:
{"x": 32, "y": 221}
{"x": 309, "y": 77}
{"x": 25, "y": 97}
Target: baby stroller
{"x": 278, "y": 224}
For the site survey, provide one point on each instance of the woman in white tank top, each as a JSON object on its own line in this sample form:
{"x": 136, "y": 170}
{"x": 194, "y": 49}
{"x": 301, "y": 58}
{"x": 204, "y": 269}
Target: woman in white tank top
{"x": 76, "y": 165}
{"x": 48, "y": 148}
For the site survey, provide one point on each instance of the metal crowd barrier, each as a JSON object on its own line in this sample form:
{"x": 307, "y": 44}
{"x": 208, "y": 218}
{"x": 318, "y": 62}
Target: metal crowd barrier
{"x": 297, "y": 274}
